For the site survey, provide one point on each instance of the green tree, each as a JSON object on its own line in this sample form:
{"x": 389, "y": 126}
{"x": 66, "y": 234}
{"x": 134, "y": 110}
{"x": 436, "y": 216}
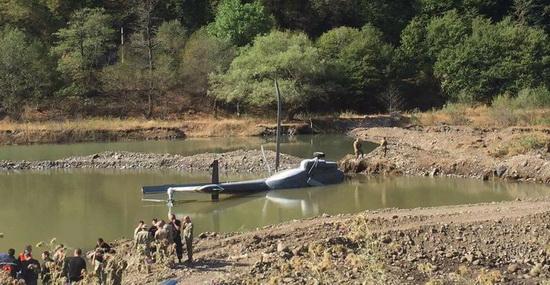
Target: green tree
{"x": 30, "y": 16}
{"x": 196, "y": 13}
{"x": 494, "y": 59}
{"x": 532, "y": 12}
{"x": 81, "y": 48}
{"x": 151, "y": 67}
{"x": 240, "y": 22}
{"x": 24, "y": 71}
{"x": 204, "y": 55}
{"x": 446, "y": 31}
{"x": 288, "y": 57}
{"x": 170, "y": 40}
{"x": 359, "y": 62}
{"x": 390, "y": 17}
{"x": 494, "y": 9}
{"x": 414, "y": 67}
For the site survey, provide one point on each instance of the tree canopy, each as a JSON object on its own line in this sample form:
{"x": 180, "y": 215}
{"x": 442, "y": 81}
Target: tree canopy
{"x": 240, "y": 22}
{"x": 327, "y": 55}
{"x": 289, "y": 58}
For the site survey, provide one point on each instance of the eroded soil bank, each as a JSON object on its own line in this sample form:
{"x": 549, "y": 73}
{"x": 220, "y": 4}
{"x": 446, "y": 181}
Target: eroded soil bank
{"x": 105, "y": 129}
{"x": 513, "y": 153}
{"x": 505, "y": 243}
{"x": 240, "y": 161}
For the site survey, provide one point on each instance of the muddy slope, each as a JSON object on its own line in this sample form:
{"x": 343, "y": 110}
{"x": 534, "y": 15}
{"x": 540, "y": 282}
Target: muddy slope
{"x": 239, "y": 161}
{"x": 504, "y": 243}
{"x": 451, "y": 151}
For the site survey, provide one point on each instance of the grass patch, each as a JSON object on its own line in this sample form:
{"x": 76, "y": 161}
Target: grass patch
{"x": 522, "y": 144}
{"x": 195, "y": 127}
{"x": 483, "y": 116}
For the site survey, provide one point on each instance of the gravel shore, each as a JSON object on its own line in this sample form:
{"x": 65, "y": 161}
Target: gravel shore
{"x": 492, "y": 243}
{"x": 240, "y": 161}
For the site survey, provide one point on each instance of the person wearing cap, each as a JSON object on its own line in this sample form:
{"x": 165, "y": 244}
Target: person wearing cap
{"x": 188, "y": 236}
{"x": 30, "y": 267}
{"x": 143, "y": 238}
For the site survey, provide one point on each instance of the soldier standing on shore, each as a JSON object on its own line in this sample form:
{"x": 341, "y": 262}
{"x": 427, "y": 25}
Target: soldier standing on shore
{"x": 357, "y": 149}
{"x": 384, "y": 145}
{"x": 188, "y": 236}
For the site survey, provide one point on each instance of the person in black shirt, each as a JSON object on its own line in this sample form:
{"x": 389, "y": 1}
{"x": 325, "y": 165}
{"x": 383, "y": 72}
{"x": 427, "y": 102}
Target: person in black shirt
{"x": 74, "y": 266}
{"x": 30, "y": 268}
{"x": 176, "y": 226}
{"x": 153, "y": 229}
{"x": 101, "y": 244}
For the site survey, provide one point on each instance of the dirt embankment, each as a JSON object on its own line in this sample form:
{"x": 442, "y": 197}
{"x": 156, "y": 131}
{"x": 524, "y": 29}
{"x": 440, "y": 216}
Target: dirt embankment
{"x": 240, "y": 161}
{"x": 105, "y": 129}
{"x": 512, "y": 153}
{"x": 496, "y": 243}
{"x": 22, "y": 136}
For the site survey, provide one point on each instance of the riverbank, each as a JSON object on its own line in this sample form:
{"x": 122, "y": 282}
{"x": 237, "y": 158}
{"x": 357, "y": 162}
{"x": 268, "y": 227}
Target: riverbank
{"x": 240, "y": 161}
{"x": 105, "y": 129}
{"x": 515, "y": 153}
{"x": 506, "y": 243}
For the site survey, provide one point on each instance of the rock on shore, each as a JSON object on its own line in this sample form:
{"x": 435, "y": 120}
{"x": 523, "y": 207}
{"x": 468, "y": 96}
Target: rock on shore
{"x": 240, "y": 161}
{"x": 452, "y": 151}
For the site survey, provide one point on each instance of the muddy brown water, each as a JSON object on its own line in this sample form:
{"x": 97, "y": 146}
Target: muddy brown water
{"x": 78, "y": 206}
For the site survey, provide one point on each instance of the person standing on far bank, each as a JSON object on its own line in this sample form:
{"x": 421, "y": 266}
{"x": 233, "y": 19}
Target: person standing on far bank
{"x": 384, "y": 145}
{"x": 188, "y": 236}
{"x": 357, "y": 148}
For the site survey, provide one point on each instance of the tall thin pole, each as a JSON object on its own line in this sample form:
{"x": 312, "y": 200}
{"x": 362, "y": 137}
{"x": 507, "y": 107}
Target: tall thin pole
{"x": 278, "y": 148}
{"x": 122, "y": 43}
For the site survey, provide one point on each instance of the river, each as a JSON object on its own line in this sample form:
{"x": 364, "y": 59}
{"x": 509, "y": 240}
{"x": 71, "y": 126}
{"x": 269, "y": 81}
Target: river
{"x": 78, "y": 206}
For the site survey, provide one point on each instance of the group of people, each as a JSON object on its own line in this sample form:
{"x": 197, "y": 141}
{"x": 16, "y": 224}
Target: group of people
{"x": 163, "y": 235}
{"x": 25, "y": 269}
{"x": 358, "y": 148}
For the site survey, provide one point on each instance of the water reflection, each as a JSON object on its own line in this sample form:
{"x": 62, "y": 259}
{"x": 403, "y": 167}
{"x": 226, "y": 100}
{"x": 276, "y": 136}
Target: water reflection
{"x": 80, "y": 205}
{"x": 335, "y": 146}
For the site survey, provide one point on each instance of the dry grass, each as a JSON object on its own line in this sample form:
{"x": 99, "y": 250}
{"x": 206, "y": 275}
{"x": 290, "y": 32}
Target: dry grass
{"x": 195, "y": 127}
{"x": 521, "y": 144}
{"x": 350, "y": 115}
{"x": 483, "y": 116}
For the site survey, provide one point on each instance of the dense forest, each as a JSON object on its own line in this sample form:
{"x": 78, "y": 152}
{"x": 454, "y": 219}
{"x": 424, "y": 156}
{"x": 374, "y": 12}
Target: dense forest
{"x": 157, "y": 57}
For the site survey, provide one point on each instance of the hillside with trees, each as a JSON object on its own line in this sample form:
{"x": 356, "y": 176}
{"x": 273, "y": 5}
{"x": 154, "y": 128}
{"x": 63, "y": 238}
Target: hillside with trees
{"x": 159, "y": 58}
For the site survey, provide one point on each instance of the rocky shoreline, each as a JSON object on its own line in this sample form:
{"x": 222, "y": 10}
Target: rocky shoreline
{"x": 240, "y": 161}
{"x": 453, "y": 151}
{"x": 492, "y": 243}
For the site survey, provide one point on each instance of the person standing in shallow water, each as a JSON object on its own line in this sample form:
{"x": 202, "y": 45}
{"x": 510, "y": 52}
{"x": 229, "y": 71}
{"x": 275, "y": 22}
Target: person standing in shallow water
{"x": 188, "y": 236}
{"x": 357, "y": 148}
{"x": 176, "y": 227}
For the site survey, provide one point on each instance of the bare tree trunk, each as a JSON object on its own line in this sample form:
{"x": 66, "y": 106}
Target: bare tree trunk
{"x": 149, "y": 35}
